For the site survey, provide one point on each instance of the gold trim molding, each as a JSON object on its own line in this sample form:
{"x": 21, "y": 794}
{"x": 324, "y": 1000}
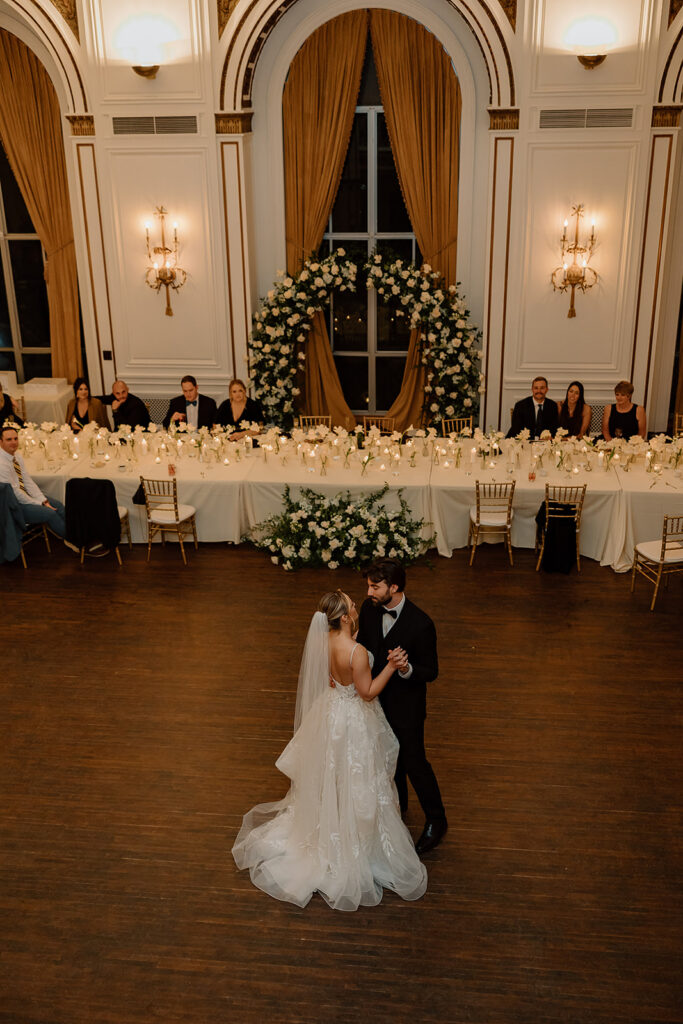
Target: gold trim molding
{"x": 666, "y": 117}
{"x": 67, "y": 9}
{"x": 674, "y": 8}
{"x": 510, "y": 8}
{"x": 81, "y": 124}
{"x": 504, "y": 120}
{"x": 234, "y": 124}
{"x": 225, "y": 9}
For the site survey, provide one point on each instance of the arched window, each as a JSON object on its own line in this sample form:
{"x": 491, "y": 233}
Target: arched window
{"x": 369, "y": 214}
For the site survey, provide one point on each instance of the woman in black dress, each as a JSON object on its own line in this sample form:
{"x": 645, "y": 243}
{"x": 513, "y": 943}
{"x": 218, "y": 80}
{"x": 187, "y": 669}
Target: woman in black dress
{"x": 624, "y": 419}
{"x": 239, "y": 408}
{"x": 83, "y": 408}
{"x": 574, "y": 414}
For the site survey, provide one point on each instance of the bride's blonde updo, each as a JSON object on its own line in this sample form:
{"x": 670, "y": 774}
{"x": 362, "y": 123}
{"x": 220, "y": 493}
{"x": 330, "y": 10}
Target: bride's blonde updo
{"x": 334, "y": 605}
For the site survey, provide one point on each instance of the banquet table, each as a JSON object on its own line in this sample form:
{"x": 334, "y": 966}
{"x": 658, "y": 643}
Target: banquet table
{"x": 647, "y": 498}
{"x": 267, "y": 479}
{"x": 44, "y": 405}
{"x": 453, "y": 494}
{"x": 622, "y": 508}
{"x": 214, "y": 489}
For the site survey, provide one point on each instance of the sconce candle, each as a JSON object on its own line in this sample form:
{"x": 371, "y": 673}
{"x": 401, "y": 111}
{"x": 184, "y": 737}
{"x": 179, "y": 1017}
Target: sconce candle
{"x": 577, "y": 274}
{"x": 164, "y": 271}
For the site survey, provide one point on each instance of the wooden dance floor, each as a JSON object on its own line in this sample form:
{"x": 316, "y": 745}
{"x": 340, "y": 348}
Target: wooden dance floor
{"x": 143, "y": 709}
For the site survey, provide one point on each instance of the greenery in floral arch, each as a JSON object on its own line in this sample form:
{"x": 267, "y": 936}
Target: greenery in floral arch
{"x": 276, "y": 352}
{"x": 450, "y": 342}
{"x": 318, "y": 531}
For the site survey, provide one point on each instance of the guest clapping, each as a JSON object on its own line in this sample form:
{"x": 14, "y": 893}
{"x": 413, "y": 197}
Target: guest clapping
{"x": 574, "y": 414}
{"x": 239, "y": 408}
{"x": 624, "y": 418}
{"x": 83, "y": 408}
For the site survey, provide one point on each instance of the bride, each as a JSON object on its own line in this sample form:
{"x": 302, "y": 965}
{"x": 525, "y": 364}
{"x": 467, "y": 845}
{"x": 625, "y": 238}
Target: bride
{"x": 338, "y": 831}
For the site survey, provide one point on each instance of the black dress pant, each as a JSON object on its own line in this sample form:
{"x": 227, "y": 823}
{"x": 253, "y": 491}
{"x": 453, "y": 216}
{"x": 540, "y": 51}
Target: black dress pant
{"x": 413, "y": 764}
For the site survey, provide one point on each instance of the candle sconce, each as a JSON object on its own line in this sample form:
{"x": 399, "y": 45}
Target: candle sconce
{"x": 164, "y": 271}
{"x": 577, "y": 274}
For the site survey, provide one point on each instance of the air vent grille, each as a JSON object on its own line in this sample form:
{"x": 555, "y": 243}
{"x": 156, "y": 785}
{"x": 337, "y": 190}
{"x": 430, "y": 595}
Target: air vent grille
{"x": 181, "y": 124}
{"x": 607, "y": 117}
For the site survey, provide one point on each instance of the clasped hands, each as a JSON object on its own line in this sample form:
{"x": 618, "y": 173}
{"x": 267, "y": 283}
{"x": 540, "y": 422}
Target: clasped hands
{"x": 398, "y": 658}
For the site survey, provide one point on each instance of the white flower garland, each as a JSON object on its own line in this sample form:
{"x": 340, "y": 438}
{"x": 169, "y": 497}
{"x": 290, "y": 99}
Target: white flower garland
{"x": 449, "y": 350}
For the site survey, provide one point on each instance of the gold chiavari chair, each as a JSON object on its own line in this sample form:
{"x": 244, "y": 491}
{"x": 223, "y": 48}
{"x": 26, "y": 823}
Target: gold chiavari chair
{"x": 457, "y": 425}
{"x": 306, "y": 422}
{"x": 34, "y": 531}
{"x": 678, "y": 423}
{"x": 165, "y": 515}
{"x": 385, "y": 424}
{"x": 492, "y": 514}
{"x": 562, "y": 505}
{"x": 655, "y": 558}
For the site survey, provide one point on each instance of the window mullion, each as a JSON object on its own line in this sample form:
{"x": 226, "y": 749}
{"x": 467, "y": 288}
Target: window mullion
{"x": 5, "y": 259}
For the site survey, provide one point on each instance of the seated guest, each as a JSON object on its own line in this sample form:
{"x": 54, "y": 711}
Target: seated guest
{"x": 9, "y": 410}
{"x": 535, "y": 413}
{"x": 192, "y": 408}
{"x": 35, "y": 506}
{"x": 83, "y": 408}
{"x": 239, "y": 408}
{"x": 624, "y": 419}
{"x": 126, "y": 408}
{"x": 574, "y": 414}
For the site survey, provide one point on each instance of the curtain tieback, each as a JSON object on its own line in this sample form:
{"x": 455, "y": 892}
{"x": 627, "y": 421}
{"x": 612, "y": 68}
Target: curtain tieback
{"x": 433, "y": 258}
{"x": 51, "y": 255}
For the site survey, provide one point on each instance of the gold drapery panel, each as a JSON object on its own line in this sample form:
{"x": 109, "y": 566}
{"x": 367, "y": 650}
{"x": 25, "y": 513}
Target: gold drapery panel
{"x": 318, "y": 105}
{"x": 422, "y": 105}
{"x": 31, "y": 134}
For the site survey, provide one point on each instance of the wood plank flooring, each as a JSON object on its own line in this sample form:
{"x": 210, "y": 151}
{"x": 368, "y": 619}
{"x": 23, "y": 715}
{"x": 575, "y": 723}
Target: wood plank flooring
{"x": 142, "y": 710}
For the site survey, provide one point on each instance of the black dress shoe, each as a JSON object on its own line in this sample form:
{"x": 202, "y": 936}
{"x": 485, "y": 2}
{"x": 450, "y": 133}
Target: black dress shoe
{"x": 433, "y": 833}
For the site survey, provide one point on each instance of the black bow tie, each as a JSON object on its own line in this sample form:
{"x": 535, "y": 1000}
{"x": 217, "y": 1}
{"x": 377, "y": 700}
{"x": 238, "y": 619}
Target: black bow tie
{"x": 389, "y": 611}
{"x": 192, "y": 403}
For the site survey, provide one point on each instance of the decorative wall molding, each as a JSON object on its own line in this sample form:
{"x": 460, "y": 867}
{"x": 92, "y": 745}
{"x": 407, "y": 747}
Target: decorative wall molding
{"x": 67, "y": 9}
{"x": 234, "y": 124}
{"x": 510, "y": 8}
{"x": 504, "y": 120}
{"x": 81, "y": 124}
{"x": 674, "y": 7}
{"x": 666, "y": 117}
{"x": 225, "y": 9}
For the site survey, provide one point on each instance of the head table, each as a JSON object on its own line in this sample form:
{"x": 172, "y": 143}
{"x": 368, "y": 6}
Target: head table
{"x": 235, "y": 487}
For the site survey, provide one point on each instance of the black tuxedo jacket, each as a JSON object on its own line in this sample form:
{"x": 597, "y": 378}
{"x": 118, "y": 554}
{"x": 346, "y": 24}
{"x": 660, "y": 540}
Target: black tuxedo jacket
{"x": 404, "y": 700}
{"x": 524, "y": 415}
{"x": 206, "y": 408}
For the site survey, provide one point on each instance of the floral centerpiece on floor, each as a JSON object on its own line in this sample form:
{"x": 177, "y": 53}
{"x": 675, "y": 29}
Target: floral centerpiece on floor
{"x": 279, "y": 329}
{"x": 316, "y": 531}
{"x": 450, "y": 348}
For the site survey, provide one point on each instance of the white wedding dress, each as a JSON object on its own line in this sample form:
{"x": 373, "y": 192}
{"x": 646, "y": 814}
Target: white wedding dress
{"x": 338, "y": 831}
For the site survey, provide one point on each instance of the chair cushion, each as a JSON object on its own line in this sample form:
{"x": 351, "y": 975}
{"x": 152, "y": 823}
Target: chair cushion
{"x": 489, "y": 518}
{"x": 162, "y": 515}
{"x": 123, "y": 512}
{"x": 652, "y": 550}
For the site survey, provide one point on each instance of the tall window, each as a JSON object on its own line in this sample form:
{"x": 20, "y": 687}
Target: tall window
{"x": 368, "y": 341}
{"x": 24, "y": 316}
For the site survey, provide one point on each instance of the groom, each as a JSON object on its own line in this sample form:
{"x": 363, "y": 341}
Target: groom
{"x": 395, "y": 630}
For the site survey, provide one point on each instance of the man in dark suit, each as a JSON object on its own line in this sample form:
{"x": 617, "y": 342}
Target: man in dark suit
{"x": 126, "y": 408}
{"x": 537, "y": 413}
{"x": 395, "y": 630}
{"x": 192, "y": 408}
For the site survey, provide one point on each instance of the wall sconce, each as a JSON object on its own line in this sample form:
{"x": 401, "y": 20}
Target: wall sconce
{"x": 590, "y": 39}
{"x": 576, "y": 274}
{"x": 164, "y": 271}
{"x": 143, "y": 42}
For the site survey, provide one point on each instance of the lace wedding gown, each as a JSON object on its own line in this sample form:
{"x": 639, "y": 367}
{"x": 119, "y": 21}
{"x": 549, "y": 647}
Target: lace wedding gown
{"x": 338, "y": 831}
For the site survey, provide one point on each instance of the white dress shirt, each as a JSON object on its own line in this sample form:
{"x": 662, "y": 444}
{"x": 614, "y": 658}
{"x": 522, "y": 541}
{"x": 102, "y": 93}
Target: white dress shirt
{"x": 8, "y": 475}
{"x": 192, "y": 414}
{"x": 388, "y": 622}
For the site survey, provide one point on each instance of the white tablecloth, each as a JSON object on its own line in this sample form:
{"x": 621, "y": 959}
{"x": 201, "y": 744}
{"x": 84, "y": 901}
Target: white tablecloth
{"x": 453, "y": 494}
{"x": 647, "y": 498}
{"x": 621, "y": 509}
{"x": 50, "y": 407}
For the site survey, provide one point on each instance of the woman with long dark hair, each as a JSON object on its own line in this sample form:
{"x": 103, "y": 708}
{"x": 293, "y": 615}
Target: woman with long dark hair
{"x": 575, "y": 415}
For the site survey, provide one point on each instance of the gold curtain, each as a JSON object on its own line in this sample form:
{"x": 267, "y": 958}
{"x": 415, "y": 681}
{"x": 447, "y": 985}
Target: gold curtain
{"x": 422, "y": 105}
{"x": 318, "y": 105}
{"x": 31, "y": 134}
